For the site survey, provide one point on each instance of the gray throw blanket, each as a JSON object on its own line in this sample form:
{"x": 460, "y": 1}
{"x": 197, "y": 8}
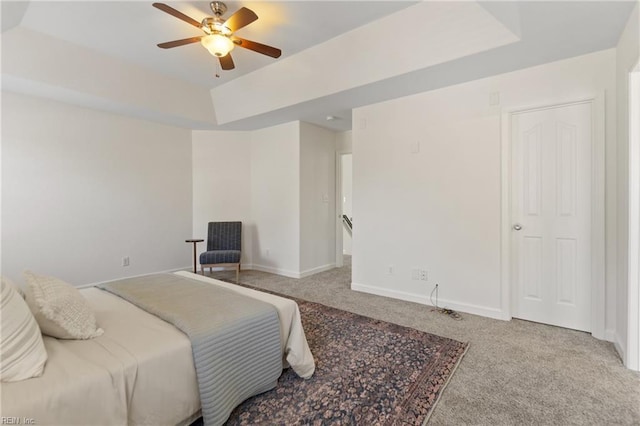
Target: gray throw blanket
{"x": 235, "y": 339}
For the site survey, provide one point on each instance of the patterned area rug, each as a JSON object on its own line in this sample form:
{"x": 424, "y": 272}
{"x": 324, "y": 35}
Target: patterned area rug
{"x": 368, "y": 372}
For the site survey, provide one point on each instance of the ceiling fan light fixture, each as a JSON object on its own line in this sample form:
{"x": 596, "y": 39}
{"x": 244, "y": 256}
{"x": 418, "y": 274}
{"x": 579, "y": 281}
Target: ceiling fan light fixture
{"x": 217, "y": 44}
{"x": 218, "y": 33}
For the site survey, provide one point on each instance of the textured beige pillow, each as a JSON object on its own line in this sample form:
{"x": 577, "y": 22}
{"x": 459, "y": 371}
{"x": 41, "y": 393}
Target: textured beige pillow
{"x": 22, "y": 352}
{"x": 59, "y": 308}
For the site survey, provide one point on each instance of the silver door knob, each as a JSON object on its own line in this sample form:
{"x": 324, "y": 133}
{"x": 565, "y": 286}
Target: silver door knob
{"x": 517, "y": 227}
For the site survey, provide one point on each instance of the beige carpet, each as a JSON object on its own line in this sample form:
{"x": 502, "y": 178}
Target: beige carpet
{"x": 514, "y": 373}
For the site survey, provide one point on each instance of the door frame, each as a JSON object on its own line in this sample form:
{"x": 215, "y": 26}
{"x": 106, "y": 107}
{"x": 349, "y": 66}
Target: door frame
{"x": 597, "y": 103}
{"x": 632, "y": 357}
{"x": 338, "y": 211}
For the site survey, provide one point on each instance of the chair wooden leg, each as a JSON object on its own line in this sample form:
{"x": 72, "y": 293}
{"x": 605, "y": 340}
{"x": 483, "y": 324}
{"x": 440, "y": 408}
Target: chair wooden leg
{"x": 202, "y": 269}
{"x": 238, "y": 274}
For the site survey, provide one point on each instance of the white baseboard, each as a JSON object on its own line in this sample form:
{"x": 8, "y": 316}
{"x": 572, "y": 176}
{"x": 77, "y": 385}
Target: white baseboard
{"x": 317, "y": 270}
{"x": 610, "y": 335}
{"x": 424, "y": 300}
{"x": 277, "y": 271}
{"x": 292, "y": 274}
{"x": 244, "y": 266}
{"x": 620, "y": 347}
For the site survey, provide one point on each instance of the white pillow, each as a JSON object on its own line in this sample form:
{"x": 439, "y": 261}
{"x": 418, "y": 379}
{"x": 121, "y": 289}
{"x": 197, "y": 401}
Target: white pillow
{"x": 15, "y": 286}
{"x": 59, "y": 308}
{"x": 22, "y": 352}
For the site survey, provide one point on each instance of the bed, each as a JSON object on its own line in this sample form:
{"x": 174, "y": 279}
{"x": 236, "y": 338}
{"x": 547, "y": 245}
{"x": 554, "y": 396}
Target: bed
{"x": 140, "y": 371}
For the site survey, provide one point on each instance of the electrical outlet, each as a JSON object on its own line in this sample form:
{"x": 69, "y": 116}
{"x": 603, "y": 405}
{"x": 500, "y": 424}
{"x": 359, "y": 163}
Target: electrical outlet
{"x": 266, "y": 252}
{"x": 390, "y": 269}
{"x": 415, "y": 274}
{"x": 125, "y": 261}
{"x": 419, "y": 274}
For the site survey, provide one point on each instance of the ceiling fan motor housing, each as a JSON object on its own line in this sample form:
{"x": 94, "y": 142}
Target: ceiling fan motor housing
{"x": 215, "y": 24}
{"x": 218, "y": 8}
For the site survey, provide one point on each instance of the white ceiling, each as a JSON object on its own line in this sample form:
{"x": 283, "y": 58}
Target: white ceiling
{"x": 129, "y": 31}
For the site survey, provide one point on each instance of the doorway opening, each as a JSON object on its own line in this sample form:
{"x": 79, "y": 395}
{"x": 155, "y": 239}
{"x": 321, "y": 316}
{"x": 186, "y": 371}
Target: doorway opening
{"x": 344, "y": 213}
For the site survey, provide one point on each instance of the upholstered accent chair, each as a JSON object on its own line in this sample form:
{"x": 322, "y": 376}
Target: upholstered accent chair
{"x": 224, "y": 247}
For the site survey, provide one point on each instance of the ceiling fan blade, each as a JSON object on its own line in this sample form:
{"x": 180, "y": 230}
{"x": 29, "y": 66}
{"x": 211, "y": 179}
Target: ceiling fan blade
{"x": 226, "y": 62}
{"x": 241, "y": 18}
{"x": 171, "y": 11}
{"x": 176, "y": 43}
{"x": 258, "y": 47}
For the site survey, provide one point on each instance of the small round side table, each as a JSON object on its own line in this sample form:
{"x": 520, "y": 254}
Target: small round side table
{"x": 195, "y": 242}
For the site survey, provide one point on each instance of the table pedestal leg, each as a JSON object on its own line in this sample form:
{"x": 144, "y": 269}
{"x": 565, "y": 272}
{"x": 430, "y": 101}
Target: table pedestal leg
{"x": 195, "y": 243}
{"x": 195, "y": 270}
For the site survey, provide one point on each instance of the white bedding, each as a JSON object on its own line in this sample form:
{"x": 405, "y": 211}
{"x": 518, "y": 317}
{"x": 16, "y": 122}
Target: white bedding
{"x": 294, "y": 343}
{"x": 140, "y": 371}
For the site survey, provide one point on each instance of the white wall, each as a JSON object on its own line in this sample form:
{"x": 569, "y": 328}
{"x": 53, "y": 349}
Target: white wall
{"x": 448, "y": 194}
{"x": 275, "y": 198}
{"x": 317, "y": 199}
{"x": 222, "y": 184}
{"x": 280, "y": 181}
{"x": 81, "y": 189}
{"x": 628, "y": 54}
{"x": 40, "y": 65}
{"x": 343, "y": 141}
{"x": 632, "y": 359}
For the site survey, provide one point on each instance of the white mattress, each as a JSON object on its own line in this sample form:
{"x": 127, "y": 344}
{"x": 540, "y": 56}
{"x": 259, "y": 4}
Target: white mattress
{"x": 140, "y": 371}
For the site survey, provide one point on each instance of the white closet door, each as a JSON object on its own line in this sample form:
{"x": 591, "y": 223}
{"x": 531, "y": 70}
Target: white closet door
{"x": 551, "y": 215}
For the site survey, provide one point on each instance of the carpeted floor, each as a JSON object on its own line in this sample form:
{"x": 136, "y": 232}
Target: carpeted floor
{"x": 368, "y": 372}
{"x": 514, "y": 373}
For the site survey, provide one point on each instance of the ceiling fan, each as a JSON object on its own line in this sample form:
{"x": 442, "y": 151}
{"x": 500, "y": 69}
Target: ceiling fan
{"x": 219, "y": 38}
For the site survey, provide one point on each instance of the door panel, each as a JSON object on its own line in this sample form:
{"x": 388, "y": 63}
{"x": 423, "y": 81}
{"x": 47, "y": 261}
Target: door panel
{"x": 533, "y": 169}
{"x": 532, "y": 268}
{"x": 551, "y": 201}
{"x": 566, "y": 271}
{"x": 566, "y": 173}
